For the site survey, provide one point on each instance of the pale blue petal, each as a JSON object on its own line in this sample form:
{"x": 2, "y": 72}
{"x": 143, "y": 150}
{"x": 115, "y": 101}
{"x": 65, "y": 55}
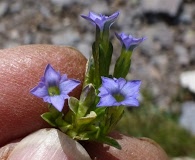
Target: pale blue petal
{"x": 57, "y": 102}
{"x": 63, "y": 78}
{"x": 94, "y": 16}
{"x": 121, "y": 82}
{"x": 88, "y": 18}
{"x": 110, "y": 84}
{"x": 100, "y": 23}
{"x": 47, "y": 99}
{"x": 129, "y": 41}
{"x": 130, "y": 102}
{"x": 51, "y": 76}
{"x": 68, "y": 85}
{"x": 131, "y": 88}
{"x": 100, "y": 20}
{"x": 107, "y": 100}
{"x": 113, "y": 16}
{"x": 111, "y": 19}
{"x": 103, "y": 91}
{"x": 39, "y": 91}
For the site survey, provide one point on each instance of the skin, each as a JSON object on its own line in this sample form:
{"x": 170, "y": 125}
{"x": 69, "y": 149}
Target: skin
{"x": 20, "y": 70}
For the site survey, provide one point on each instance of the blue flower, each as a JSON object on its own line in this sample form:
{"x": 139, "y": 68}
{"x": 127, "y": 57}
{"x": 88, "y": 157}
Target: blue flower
{"x": 129, "y": 41}
{"x": 101, "y": 20}
{"x": 54, "y": 88}
{"x": 118, "y": 92}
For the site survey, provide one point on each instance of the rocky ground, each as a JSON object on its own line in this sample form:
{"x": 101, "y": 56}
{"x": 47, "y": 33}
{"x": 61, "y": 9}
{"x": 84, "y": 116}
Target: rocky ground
{"x": 168, "y": 25}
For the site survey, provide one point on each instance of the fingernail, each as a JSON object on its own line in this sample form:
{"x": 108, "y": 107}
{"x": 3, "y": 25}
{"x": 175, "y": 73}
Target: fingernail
{"x": 50, "y": 144}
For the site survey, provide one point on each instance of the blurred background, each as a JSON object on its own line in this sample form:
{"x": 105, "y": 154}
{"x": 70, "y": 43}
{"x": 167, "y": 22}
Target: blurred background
{"x": 164, "y": 62}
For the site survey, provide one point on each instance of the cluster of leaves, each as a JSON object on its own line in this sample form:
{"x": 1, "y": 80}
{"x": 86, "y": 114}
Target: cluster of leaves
{"x": 103, "y": 98}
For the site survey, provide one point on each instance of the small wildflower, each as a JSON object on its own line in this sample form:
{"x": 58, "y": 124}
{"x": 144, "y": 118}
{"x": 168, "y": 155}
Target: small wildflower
{"x": 118, "y": 92}
{"x": 54, "y": 88}
{"x": 129, "y": 41}
{"x": 101, "y": 20}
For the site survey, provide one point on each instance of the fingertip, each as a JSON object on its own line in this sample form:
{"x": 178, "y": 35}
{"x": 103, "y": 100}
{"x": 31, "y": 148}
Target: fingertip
{"x": 132, "y": 148}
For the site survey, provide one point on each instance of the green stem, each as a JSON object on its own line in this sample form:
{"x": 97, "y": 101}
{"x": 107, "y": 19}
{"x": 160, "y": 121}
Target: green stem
{"x": 123, "y": 64}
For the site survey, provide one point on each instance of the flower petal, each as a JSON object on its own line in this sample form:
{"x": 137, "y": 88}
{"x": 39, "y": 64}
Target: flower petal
{"x": 47, "y": 99}
{"x": 107, "y": 100}
{"x": 57, "y": 102}
{"x": 68, "y": 85}
{"x": 121, "y": 82}
{"x": 113, "y": 16}
{"x": 129, "y": 102}
{"x": 63, "y": 78}
{"x": 129, "y": 41}
{"x": 110, "y": 84}
{"x": 39, "y": 91}
{"x": 100, "y": 20}
{"x": 103, "y": 91}
{"x": 131, "y": 88}
{"x": 94, "y": 16}
{"x": 51, "y": 77}
{"x": 89, "y": 19}
{"x": 111, "y": 19}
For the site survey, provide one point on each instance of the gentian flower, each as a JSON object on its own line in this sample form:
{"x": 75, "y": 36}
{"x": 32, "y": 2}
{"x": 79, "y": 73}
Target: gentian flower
{"x": 54, "y": 88}
{"x": 129, "y": 41}
{"x": 101, "y": 20}
{"x": 118, "y": 92}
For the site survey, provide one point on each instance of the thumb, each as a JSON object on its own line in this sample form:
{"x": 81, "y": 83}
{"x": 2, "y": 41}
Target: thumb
{"x": 48, "y": 144}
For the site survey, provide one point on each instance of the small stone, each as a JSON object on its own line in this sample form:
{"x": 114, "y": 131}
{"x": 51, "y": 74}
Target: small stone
{"x": 68, "y": 37}
{"x": 45, "y": 11}
{"x": 187, "y": 118}
{"x": 62, "y": 2}
{"x": 14, "y": 34}
{"x": 187, "y": 80}
{"x": 169, "y": 7}
{"x": 189, "y": 38}
{"x": 11, "y": 44}
{"x": 164, "y": 35}
{"x": 3, "y": 8}
{"x": 98, "y": 7}
{"x": 192, "y": 54}
{"x": 84, "y": 48}
{"x": 85, "y": 2}
{"x": 16, "y": 7}
{"x": 161, "y": 62}
{"x": 187, "y": 14}
{"x": 160, "y": 33}
{"x": 182, "y": 54}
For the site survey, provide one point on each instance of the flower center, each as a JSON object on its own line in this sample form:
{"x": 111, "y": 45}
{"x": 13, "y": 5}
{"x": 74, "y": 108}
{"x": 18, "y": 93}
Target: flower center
{"x": 53, "y": 90}
{"x": 119, "y": 97}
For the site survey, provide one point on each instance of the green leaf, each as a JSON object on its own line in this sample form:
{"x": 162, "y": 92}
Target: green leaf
{"x": 110, "y": 141}
{"x": 73, "y": 104}
{"x": 90, "y": 72}
{"x": 100, "y": 111}
{"x": 112, "y": 116}
{"x": 87, "y": 100}
{"x": 48, "y": 117}
{"x": 62, "y": 124}
{"x": 88, "y": 119}
{"x": 65, "y": 128}
{"x": 55, "y": 113}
